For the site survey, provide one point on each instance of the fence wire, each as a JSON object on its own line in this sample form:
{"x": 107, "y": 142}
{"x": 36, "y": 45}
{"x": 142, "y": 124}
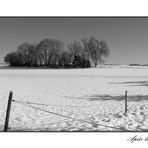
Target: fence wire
{"x": 27, "y": 102}
{"x": 57, "y": 114}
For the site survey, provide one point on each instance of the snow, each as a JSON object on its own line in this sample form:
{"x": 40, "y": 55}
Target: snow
{"x": 92, "y": 98}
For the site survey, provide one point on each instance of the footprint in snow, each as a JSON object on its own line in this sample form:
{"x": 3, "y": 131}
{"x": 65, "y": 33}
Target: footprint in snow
{"x": 118, "y": 116}
{"x": 141, "y": 108}
{"x": 133, "y": 114}
{"x": 142, "y": 113}
{"x": 18, "y": 119}
{"x": 106, "y": 119}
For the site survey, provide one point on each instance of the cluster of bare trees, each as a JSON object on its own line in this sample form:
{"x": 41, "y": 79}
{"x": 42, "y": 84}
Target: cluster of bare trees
{"x": 53, "y": 53}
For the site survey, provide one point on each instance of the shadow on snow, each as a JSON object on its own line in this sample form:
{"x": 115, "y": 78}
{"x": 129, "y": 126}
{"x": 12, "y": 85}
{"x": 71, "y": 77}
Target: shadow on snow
{"x": 133, "y": 83}
{"x": 104, "y": 97}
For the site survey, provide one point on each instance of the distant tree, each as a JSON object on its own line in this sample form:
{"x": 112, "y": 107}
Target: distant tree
{"x": 65, "y": 59}
{"x": 13, "y": 59}
{"x": 79, "y": 56}
{"x": 75, "y": 48}
{"x": 50, "y": 50}
{"x": 58, "y": 48}
{"x": 26, "y": 55}
{"x": 96, "y": 50}
{"x": 52, "y": 53}
{"x": 80, "y": 61}
{"x": 35, "y": 56}
{"x": 27, "y": 52}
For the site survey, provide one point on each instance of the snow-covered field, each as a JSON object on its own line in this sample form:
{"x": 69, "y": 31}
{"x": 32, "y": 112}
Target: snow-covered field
{"x": 92, "y": 98}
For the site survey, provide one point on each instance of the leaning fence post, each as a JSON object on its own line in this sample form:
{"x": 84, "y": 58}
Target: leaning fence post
{"x": 125, "y": 101}
{"x": 8, "y": 112}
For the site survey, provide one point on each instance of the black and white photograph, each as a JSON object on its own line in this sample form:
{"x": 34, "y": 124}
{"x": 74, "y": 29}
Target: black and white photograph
{"x": 73, "y": 74}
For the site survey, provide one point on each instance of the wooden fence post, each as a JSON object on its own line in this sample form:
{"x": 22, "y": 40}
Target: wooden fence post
{"x": 8, "y": 112}
{"x": 125, "y": 101}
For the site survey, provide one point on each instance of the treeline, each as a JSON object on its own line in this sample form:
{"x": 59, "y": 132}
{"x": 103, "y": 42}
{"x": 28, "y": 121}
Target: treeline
{"x": 53, "y": 53}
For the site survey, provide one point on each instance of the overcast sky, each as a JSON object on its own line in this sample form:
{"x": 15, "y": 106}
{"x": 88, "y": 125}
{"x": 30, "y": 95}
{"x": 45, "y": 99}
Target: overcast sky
{"x": 127, "y": 38}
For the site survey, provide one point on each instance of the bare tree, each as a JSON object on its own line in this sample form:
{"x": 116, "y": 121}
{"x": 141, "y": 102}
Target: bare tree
{"x": 65, "y": 59}
{"x": 35, "y": 56}
{"x": 75, "y": 48}
{"x": 97, "y": 50}
{"x": 13, "y": 59}
{"x": 49, "y": 50}
{"x": 26, "y": 51}
{"x": 79, "y": 55}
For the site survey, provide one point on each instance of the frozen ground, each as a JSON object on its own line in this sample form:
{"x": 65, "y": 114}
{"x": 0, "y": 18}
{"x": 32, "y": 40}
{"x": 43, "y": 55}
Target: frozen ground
{"x": 94, "y": 95}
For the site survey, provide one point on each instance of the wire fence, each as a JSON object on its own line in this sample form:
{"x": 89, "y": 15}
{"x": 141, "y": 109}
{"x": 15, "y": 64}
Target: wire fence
{"x": 57, "y": 114}
{"x": 39, "y": 107}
